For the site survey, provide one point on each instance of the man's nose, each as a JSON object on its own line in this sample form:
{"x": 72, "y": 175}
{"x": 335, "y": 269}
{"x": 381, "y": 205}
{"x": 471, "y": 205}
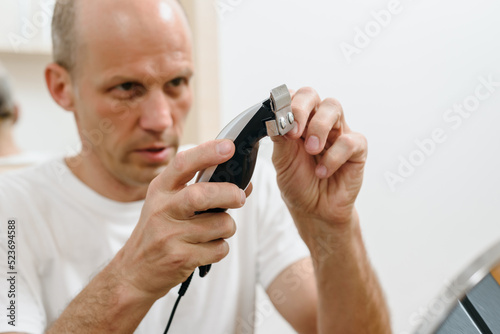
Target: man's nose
{"x": 157, "y": 113}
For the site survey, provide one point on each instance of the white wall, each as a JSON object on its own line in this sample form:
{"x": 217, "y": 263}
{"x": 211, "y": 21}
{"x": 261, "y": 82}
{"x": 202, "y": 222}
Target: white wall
{"x": 396, "y": 90}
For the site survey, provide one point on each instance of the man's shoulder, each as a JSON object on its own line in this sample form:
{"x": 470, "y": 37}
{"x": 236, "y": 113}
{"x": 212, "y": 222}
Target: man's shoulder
{"x": 31, "y": 180}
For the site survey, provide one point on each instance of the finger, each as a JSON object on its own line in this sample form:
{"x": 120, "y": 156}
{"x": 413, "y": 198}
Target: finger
{"x": 304, "y": 103}
{"x": 202, "y": 196}
{"x": 327, "y": 117}
{"x": 249, "y": 189}
{"x": 207, "y": 227}
{"x": 211, "y": 252}
{"x": 349, "y": 147}
{"x": 187, "y": 163}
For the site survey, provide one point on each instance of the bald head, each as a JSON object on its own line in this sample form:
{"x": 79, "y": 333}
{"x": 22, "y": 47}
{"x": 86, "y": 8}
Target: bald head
{"x": 130, "y": 65}
{"x": 75, "y": 22}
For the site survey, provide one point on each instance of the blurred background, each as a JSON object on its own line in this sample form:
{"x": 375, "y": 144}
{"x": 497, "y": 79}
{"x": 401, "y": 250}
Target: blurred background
{"x": 420, "y": 79}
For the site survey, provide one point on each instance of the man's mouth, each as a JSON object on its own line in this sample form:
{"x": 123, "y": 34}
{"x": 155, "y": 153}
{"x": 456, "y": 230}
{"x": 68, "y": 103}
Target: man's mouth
{"x": 155, "y": 154}
{"x": 157, "y": 149}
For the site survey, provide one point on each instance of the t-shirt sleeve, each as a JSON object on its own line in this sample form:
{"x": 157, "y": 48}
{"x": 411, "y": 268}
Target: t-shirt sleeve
{"x": 279, "y": 242}
{"x": 20, "y": 289}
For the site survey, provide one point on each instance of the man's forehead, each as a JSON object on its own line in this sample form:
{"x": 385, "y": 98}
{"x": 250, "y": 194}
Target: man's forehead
{"x": 127, "y": 34}
{"x": 129, "y": 18}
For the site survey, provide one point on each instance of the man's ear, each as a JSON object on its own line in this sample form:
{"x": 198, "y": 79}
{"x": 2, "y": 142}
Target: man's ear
{"x": 60, "y": 86}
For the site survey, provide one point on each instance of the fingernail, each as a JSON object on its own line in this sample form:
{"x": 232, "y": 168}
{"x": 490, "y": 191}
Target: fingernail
{"x": 312, "y": 143}
{"x": 321, "y": 171}
{"x": 223, "y": 148}
{"x": 243, "y": 197}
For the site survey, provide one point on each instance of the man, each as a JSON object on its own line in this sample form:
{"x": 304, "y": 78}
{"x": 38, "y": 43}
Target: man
{"x": 8, "y": 117}
{"x": 123, "y": 68}
{"x": 11, "y": 156}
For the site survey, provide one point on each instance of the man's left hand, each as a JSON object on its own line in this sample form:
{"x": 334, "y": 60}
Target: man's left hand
{"x": 319, "y": 164}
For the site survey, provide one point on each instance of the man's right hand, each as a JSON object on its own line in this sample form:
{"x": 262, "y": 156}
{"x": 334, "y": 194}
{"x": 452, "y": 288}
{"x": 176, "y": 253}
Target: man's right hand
{"x": 170, "y": 240}
{"x": 167, "y": 245}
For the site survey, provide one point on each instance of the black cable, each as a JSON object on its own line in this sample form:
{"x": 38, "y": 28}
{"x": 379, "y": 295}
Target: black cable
{"x": 182, "y": 291}
{"x": 172, "y": 314}
{"x": 203, "y": 272}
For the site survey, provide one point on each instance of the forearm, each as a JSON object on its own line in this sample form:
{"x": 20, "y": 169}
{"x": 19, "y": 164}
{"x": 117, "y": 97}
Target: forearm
{"x": 350, "y": 299}
{"x": 106, "y": 305}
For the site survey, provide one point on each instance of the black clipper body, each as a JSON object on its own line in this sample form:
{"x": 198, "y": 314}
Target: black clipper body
{"x": 272, "y": 117}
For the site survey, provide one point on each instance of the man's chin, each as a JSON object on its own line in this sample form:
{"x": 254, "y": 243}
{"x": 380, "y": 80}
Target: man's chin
{"x": 140, "y": 168}
{"x": 144, "y": 175}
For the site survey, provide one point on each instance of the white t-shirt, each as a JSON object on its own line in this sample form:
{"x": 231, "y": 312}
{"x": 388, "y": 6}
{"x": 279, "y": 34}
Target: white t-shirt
{"x": 23, "y": 159}
{"x": 65, "y": 233}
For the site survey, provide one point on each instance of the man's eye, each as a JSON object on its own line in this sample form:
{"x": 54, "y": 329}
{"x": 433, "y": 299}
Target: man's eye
{"x": 127, "y": 86}
{"x": 128, "y": 90}
{"x": 177, "y": 82}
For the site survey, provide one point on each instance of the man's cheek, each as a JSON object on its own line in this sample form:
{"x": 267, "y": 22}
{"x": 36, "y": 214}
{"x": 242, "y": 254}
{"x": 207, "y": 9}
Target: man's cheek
{"x": 107, "y": 126}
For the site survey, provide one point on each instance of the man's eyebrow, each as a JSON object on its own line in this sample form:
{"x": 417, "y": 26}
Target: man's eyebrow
{"x": 120, "y": 78}
{"x": 188, "y": 73}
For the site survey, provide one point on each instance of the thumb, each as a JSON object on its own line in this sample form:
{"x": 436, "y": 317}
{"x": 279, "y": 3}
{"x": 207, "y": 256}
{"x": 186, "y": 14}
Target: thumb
{"x": 284, "y": 152}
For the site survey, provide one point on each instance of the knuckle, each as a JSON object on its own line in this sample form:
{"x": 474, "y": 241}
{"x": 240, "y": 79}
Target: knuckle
{"x": 177, "y": 260}
{"x": 334, "y": 105}
{"x": 210, "y": 189}
{"x": 196, "y": 198}
{"x": 312, "y": 93}
{"x": 307, "y": 90}
{"x": 221, "y": 250}
{"x": 183, "y": 262}
{"x": 364, "y": 144}
{"x": 363, "y": 140}
{"x": 154, "y": 187}
{"x": 333, "y": 102}
{"x": 229, "y": 226}
{"x": 157, "y": 184}
{"x": 163, "y": 240}
{"x": 299, "y": 111}
{"x": 236, "y": 195}
{"x": 165, "y": 246}
{"x": 224, "y": 224}
{"x": 176, "y": 257}
{"x": 348, "y": 141}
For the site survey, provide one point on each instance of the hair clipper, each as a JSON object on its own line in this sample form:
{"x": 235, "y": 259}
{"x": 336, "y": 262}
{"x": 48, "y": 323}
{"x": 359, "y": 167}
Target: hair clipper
{"x": 272, "y": 117}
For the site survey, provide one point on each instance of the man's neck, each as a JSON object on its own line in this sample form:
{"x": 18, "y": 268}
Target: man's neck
{"x": 90, "y": 170}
